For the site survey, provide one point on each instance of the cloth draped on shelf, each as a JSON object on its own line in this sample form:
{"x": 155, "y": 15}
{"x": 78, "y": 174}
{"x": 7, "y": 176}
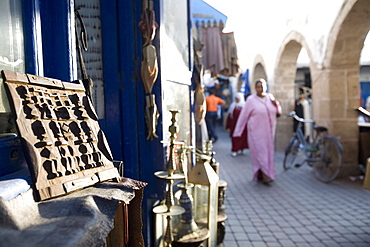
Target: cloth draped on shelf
{"x": 81, "y": 218}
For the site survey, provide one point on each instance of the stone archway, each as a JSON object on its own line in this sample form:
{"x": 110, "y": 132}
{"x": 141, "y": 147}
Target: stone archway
{"x": 258, "y": 72}
{"x": 336, "y": 86}
{"x": 284, "y": 78}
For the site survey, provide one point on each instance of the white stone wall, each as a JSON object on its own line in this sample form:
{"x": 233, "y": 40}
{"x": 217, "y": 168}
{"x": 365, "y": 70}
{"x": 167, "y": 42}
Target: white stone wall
{"x": 312, "y": 19}
{"x": 261, "y": 26}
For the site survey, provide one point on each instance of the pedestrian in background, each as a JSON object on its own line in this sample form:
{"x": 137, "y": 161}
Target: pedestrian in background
{"x": 238, "y": 144}
{"x": 259, "y": 115}
{"x": 212, "y": 103}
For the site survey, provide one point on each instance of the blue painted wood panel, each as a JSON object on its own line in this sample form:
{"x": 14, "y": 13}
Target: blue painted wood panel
{"x": 57, "y": 29}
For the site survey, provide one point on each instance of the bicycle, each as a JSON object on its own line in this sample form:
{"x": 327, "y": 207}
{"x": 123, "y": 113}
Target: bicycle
{"x": 322, "y": 151}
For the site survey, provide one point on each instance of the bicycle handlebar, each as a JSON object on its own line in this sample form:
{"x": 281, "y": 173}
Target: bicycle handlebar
{"x": 294, "y": 115}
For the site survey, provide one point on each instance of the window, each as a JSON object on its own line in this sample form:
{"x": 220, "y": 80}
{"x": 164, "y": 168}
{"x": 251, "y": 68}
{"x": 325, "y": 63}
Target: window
{"x": 11, "y": 53}
{"x": 90, "y": 13}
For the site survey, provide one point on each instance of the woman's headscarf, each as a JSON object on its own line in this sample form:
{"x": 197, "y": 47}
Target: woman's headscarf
{"x": 241, "y": 103}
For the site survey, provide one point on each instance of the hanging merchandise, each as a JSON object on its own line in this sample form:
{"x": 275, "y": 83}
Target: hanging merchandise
{"x": 86, "y": 80}
{"x": 213, "y": 58}
{"x": 149, "y": 67}
{"x": 230, "y": 53}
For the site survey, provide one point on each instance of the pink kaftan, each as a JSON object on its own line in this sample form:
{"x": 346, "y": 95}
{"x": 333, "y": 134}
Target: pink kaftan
{"x": 260, "y": 117}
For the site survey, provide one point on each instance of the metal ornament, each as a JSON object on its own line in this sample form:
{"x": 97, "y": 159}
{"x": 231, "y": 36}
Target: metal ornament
{"x": 149, "y": 67}
{"x": 86, "y": 80}
{"x": 169, "y": 208}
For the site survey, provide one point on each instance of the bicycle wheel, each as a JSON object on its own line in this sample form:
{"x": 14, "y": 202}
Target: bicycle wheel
{"x": 291, "y": 153}
{"x": 327, "y": 159}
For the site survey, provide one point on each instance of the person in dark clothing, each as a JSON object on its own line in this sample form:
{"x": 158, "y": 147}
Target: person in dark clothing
{"x": 212, "y": 103}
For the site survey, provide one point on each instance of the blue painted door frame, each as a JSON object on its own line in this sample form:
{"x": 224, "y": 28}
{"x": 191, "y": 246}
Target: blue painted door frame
{"x": 48, "y": 38}
{"x": 124, "y": 124}
{"x": 49, "y": 51}
{"x": 57, "y": 43}
{"x": 32, "y": 37}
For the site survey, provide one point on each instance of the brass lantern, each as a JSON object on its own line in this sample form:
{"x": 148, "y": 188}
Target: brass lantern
{"x": 205, "y": 196}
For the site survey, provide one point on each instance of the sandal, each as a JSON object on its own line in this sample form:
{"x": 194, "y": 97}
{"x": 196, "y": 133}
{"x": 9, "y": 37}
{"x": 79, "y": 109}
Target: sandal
{"x": 266, "y": 179}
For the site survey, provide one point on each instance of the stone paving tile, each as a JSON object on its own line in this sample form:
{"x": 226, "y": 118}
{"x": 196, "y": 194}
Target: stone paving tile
{"x": 329, "y": 243}
{"x": 313, "y": 229}
{"x": 241, "y": 236}
{"x": 254, "y": 237}
{"x": 364, "y": 236}
{"x": 287, "y": 243}
{"x": 352, "y": 238}
{"x": 296, "y": 210}
{"x": 235, "y": 229}
{"x": 273, "y": 244}
{"x": 346, "y": 244}
{"x": 322, "y": 236}
{"x": 247, "y": 224}
{"x": 244, "y": 244}
{"x": 281, "y": 235}
{"x": 265, "y": 233}
{"x": 283, "y": 224}
{"x": 231, "y": 244}
{"x": 250, "y": 229}
{"x": 333, "y": 234}
{"x": 270, "y": 239}
{"x": 259, "y": 244}
{"x": 297, "y": 239}
{"x": 362, "y": 245}
{"x": 290, "y": 231}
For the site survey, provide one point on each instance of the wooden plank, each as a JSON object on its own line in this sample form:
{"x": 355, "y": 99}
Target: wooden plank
{"x": 52, "y": 191}
{"x": 12, "y": 76}
{"x": 80, "y": 183}
{"x": 116, "y": 237}
{"x": 75, "y": 85}
{"x": 108, "y": 174}
{"x": 44, "y": 81}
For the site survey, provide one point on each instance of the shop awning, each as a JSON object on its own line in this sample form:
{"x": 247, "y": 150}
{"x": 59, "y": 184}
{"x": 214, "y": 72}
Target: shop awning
{"x": 202, "y": 12}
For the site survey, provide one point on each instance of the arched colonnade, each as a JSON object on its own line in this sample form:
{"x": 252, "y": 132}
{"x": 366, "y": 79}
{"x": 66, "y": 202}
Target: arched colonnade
{"x": 335, "y": 83}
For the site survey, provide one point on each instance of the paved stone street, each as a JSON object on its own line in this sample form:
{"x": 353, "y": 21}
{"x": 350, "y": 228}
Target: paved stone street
{"x": 295, "y": 210}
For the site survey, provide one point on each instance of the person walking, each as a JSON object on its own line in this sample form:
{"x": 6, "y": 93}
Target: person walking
{"x": 212, "y": 103}
{"x": 259, "y": 114}
{"x": 238, "y": 144}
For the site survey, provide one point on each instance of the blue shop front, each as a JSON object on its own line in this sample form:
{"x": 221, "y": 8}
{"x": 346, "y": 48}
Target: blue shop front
{"x": 96, "y": 98}
{"x": 137, "y": 58}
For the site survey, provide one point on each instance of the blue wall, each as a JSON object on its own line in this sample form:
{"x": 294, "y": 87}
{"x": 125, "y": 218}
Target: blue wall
{"x": 51, "y": 55}
{"x": 124, "y": 124}
{"x": 365, "y": 92}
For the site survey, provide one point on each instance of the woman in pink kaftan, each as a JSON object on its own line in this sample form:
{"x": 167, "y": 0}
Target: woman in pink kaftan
{"x": 259, "y": 115}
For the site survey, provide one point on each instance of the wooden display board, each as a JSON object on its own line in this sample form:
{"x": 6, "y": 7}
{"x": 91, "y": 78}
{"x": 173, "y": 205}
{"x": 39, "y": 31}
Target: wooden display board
{"x": 61, "y": 137}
